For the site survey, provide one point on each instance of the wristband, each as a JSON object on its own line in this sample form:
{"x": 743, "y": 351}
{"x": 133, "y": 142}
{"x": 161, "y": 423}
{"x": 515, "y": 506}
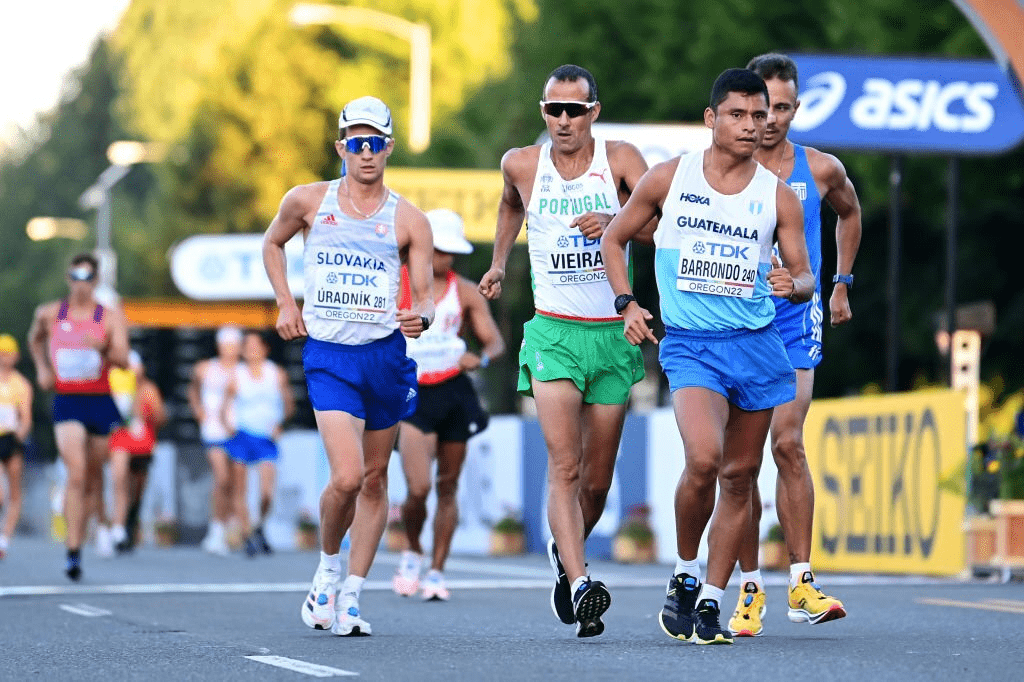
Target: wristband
{"x": 484, "y": 360}
{"x": 426, "y": 322}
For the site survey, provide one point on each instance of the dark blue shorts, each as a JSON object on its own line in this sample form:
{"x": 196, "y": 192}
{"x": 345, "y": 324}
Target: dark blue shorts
{"x": 97, "y": 413}
{"x": 375, "y": 381}
{"x": 749, "y": 367}
{"x": 246, "y": 448}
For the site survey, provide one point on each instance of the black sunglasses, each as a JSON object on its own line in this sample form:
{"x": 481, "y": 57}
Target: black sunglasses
{"x": 81, "y": 274}
{"x": 555, "y": 109}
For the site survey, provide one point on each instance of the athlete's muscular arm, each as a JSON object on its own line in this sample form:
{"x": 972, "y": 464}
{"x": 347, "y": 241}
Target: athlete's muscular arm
{"x": 117, "y": 347}
{"x": 795, "y": 281}
{"x": 842, "y": 197}
{"x": 419, "y": 249}
{"x": 644, "y": 205}
{"x": 229, "y": 398}
{"x": 38, "y": 338}
{"x": 151, "y": 397}
{"x": 290, "y": 219}
{"x": 478, "y": 313}
{"x": 195, "y": 402}
{"x": 511, "y": 213}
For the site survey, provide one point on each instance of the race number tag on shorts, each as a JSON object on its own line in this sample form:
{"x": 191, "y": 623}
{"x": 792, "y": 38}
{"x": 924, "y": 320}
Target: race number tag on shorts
{"x": 351, "y": 294}
{"x": 717, "y": 266}
{"x": 78, "y": 364}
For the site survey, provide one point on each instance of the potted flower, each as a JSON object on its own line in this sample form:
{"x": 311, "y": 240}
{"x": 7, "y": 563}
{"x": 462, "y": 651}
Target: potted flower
{"x": 773, "y": 549}
{"x": 634, "y": 540}
{"x": 394, "y": 532}
{"x": 307, "y": 533}
{"x": 508, "y": 535}
{"x": 165, "y": 531}
{"x": 1008, "y": 510}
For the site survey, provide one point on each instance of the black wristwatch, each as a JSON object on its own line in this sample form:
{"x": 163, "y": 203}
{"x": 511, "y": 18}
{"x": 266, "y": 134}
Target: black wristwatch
{"x": 426, "y": 322}
{"x": 843, "y": 279}
{"x": 623, "y": 300}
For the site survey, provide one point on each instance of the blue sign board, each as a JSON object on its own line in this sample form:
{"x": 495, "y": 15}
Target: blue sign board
{"x": 906, "y": 104}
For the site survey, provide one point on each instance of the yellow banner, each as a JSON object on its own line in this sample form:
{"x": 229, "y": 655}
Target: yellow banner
{"x": 885, "y": 469}
{"x": 473, "y": 194}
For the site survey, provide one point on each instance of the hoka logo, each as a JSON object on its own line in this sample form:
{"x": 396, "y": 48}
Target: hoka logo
{"x": 695, "y": 199}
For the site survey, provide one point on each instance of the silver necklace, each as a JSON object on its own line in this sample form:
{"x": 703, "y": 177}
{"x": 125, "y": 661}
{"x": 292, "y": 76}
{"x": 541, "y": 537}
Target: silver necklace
{"x": 782, "y": 161}
{"x": 352, "y": 203}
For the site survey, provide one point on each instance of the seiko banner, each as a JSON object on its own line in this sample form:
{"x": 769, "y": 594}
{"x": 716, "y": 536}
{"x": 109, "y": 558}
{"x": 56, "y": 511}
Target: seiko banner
{"x": 906, "y": 104}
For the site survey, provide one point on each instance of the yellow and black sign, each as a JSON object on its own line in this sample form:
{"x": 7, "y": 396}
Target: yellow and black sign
{"x": 473, "y": 194}
{"x": 882, "y": 468}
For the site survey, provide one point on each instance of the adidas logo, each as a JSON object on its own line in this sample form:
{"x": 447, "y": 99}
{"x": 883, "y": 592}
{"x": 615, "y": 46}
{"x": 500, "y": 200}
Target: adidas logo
{"x": 329, "y": 219}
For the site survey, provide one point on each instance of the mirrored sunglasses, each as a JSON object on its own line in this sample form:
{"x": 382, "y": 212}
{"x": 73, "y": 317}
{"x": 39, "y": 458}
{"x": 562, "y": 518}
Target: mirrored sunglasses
{"x": 555, "y": 109}
{"x": 82, "y": 274}
{"x": 376, "y": 143}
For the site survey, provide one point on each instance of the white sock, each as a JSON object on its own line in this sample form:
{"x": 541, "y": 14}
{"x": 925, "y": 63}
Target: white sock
{"x": 411, "y": 562}
{"x": 330, "y": 562}
{"x": 687, "y": 566}
{"x": 711, "y": 592}
{"x": 752, "y": 577}
{"x": 4, "y": 542}
{"x": 352, "y": 586}
{"x": 216, "y": 529}
{"x": 576, "y": 583}
{"x": 796, "y": 573}
{"x": 435, "y": 575}
{"x": 119, "y": 534}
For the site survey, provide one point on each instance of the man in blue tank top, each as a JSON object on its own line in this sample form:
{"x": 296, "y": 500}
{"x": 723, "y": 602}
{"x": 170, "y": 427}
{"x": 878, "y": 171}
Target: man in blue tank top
{"x": 814, "y": 176}
{"x": 357, "y": 233}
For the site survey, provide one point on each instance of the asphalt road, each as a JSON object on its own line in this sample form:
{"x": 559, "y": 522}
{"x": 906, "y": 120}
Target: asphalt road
{"x": 179, "y": 614}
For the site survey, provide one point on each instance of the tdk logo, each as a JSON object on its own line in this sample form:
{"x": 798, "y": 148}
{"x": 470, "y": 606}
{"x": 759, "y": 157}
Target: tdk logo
{"x": 907, "y": 104}
{"x": 695, "y": 199}
{"x": 728, "y": 250}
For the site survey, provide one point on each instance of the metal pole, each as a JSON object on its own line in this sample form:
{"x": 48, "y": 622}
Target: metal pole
{"x": 108, "y": 266}
{"x": 952, "y": 211}
{"x": 892, "y": 351}
{"x": 419, "y": 88}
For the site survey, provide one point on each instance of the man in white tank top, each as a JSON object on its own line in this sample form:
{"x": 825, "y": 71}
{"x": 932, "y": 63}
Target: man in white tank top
{"x": 574, "y": 359}
{"x": 449, "y": 411}
{"x": 357, "y": 233}
{"x": 725, "y": 361}
{"x": 210, "y": 379}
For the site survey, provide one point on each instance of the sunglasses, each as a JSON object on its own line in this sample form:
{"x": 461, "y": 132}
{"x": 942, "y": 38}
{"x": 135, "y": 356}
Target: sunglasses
{"x": 555, "y": 109}
{"x": 376, "y": 143}
{"x": 83, "y": 274}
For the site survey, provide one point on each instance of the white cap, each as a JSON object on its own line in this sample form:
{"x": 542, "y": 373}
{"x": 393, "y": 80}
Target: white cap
{"x": 449, "y": 235}
{"x": 229, "y": 334}
{"x": 368, "y": 111}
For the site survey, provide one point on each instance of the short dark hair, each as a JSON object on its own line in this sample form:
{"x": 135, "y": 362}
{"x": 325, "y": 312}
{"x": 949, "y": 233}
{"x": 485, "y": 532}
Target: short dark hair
{"x": 572, "y": 73}
{"x": 774, "y": 65}
{"x": 87, "y": 258}
{"x": 737, "y": 80}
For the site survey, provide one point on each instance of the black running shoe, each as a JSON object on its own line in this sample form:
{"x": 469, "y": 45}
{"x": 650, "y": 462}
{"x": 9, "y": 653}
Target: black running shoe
{"x": 74, "y": 566}
{"x": 261, "y": 541}
{"x": 252, "y": 547}
{"x": 561, "y": 597}
{"x": 591, "y": 600}
{"x": 707, "y": 628}
{"x": 677, "y": 616}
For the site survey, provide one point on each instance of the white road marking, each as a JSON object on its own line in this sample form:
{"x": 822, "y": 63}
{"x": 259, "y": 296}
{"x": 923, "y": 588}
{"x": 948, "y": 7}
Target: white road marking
{"x": 988, "y": 605}
{"x": 85, "y": 610}
{"x": 312, "y": 669}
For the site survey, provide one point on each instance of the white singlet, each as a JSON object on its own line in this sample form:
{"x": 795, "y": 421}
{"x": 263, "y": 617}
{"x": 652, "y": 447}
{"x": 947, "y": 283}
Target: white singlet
{"x": 351, "y": 273}
{"x": 211, "y": 395}
{"x": 567, "y": 268}
{"x": 259, "y": 407}
{"x": 437, "y": 351}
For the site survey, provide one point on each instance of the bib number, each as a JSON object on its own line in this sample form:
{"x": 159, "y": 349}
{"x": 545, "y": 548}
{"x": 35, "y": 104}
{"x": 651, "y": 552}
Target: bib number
{"x": 351, "y": 295}
{"x": 78, "y": 364}
{"x": 720, "y": 267}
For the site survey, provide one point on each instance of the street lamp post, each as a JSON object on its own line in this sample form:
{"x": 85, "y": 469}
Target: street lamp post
{"x": 418, "y": 37}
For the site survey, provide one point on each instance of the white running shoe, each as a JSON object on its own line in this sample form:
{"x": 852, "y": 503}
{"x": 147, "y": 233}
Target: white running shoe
{"x": 407, "y": 579}
{"x": 104, "y": 542}
{"x": 215, "y": 541}
{"x": 318, "y": 610}
{"x": 433, "y": 587}
{"x": 348, "y": 623}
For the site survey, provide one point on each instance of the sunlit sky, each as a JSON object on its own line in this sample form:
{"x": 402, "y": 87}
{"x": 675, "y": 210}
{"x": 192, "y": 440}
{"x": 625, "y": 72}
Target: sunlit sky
{"x": 40, "y": 42}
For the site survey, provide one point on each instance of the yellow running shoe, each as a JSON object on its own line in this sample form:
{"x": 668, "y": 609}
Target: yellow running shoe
{"x": 750, "y": 609}
{"x": 808, "y": 604}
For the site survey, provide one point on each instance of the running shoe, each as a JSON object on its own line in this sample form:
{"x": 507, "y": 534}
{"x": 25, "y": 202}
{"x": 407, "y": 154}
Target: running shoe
{"x": 706, "y": 626}
{"x": 104, "y": 542}
{"x": 433, "y": 587}
{"x": 318, "y": 610}
{"x": 407, "y": 579}
{"x": 251, "y": 546}
{"x": 561, "y": 593}
{"x": 808, "y": 604}
{"x": 677, "y": 616}
{"x": 348, "y": 622}
{"x": 591, "y": 600}
{"x": 73, "y": 569}
{"x": 750, "y": 610}
{"x": 215, "y": 542}
{"x": 261, "y": 541}
{"x": 4, "y": 545}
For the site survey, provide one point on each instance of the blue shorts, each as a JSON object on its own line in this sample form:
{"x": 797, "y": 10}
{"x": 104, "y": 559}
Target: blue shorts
{"x": 749, "y": 367}
{"x": 246, "y": 448}
{"x": 97, "y": 413}
{"x": 375, "y": 381}
{"x": 800, "y": 328}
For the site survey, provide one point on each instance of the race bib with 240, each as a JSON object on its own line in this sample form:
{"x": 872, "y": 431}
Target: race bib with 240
{"x": 717, "y": 266}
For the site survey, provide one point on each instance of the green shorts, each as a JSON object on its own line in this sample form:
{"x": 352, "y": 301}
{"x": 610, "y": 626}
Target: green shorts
{"x": 594, "y": 355}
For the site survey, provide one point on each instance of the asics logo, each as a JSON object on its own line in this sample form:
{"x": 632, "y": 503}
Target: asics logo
{"x": 820, "y": 100}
